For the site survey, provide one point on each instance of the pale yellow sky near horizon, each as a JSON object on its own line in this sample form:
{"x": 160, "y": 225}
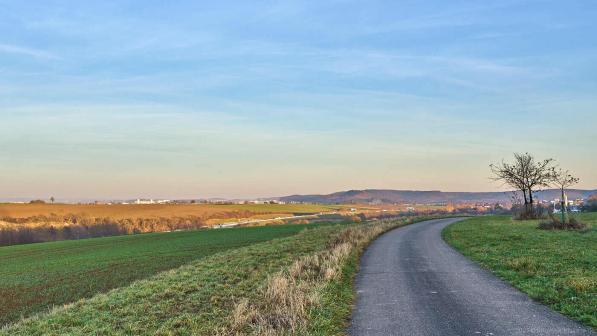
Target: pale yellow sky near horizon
{"x": 275, "y": 164}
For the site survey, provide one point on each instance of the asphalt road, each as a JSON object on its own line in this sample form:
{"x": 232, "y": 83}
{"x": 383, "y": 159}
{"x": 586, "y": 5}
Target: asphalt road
{"x": 412, "y": 283}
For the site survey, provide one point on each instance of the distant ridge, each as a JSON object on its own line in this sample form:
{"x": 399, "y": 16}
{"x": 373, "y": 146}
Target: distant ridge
{"x": 425, "y": 197}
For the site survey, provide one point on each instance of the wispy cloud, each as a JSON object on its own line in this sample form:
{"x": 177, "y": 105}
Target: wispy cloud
{"x": 36, "y": 53}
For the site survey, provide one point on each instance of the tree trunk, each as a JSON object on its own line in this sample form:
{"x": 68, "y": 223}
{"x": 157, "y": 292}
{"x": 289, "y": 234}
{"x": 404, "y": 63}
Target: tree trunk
{"x": 563, "y": 207}
{"x": 531, "y": 205}
{"x": 524, "y": 193}
{"x": 526, "y": 202}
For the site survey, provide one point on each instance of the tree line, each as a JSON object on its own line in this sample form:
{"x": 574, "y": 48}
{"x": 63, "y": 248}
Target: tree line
{"x": 52, "y": 228}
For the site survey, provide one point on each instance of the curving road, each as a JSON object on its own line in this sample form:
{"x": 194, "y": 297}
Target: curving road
{"x": 412, "y": 283}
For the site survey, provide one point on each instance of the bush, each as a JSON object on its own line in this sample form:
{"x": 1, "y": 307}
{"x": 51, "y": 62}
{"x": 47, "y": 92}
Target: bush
{"x": 554, "y": 223}
{"x": 535, "y": 212}
{"x": 590, "y": 206}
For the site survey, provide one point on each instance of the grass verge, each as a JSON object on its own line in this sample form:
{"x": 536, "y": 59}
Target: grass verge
{"x": 314, "y": 295}
{"x": 557, "y": 268}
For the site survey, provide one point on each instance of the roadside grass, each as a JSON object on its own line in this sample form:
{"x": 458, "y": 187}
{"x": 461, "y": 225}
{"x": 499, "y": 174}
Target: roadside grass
{"x": 313, "y": 296}
{"x": 36, "y": 277}
{"x": 300, "y": 284}
{"x": 331, "y": 317}
{"x": 557, "y": 268}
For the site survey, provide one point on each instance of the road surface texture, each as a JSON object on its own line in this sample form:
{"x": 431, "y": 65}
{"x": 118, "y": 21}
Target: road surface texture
{"x": 412, "y": 283}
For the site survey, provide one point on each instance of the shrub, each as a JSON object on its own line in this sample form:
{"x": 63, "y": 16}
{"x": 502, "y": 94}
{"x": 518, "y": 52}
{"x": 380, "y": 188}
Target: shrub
{"x": 590, "y": 205}
{"x": 530, "y": 213}
{"x": 554, "y": 223}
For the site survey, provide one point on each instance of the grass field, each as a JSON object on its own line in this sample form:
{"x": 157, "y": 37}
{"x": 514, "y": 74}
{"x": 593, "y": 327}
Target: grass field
{"x": 557, "y": 268}
{"x": 37, "y": 276}
{"x": 295, "y": 285}
{"x": 197, "y": 298}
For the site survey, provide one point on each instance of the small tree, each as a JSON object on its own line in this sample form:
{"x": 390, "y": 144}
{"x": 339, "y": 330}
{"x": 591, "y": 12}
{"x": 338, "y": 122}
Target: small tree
{"x": 563, "y": 179}
{"x": 52, "y": 199}
{"x": 526, "y": 175}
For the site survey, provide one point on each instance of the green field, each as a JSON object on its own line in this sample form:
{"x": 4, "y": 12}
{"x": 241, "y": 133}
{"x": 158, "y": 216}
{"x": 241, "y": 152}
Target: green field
{"x": 557, "y": 268}
{"x": 37, "y": 276}
{"x": 207, "y": 296}
{"x": 197, "y": 298}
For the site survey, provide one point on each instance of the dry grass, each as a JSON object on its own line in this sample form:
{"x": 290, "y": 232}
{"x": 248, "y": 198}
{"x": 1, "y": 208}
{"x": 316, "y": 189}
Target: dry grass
{"x": 583, "y": 284}
{"x": 285, "y": 301}
{"x": 524, "y": 264}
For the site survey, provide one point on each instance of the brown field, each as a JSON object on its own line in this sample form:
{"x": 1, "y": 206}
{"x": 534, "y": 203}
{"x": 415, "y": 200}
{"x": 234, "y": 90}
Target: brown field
{"x": 30, "y": 223}
{"x": 121, "y": 211}
{"x": 222, "y": 211}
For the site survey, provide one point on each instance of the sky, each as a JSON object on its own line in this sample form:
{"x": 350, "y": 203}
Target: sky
{"x": 189, "y": 99}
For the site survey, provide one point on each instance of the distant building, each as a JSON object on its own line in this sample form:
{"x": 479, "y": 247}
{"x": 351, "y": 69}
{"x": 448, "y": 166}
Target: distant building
{"x": 266, "y": 202}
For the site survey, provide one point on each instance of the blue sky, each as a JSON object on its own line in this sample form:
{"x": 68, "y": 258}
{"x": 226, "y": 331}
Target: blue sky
{"x": 261, "y": 98}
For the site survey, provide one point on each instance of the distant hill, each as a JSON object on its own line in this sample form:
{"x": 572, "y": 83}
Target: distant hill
{"x": 425, "y": 197}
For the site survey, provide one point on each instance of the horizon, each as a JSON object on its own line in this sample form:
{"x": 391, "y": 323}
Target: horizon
{"x": 66, "y": 200}
{"x": 239, "y": 100}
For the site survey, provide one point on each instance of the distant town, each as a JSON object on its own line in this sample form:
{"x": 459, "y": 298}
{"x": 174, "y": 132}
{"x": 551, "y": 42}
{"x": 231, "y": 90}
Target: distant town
{"x": 574, "y": 205}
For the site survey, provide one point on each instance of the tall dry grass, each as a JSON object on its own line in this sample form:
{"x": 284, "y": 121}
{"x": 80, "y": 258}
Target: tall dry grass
{"x": 284, "y": 303}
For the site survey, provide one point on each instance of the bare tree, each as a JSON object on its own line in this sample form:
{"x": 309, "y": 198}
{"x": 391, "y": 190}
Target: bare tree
{"x": 525, "y": 174}
{"x": 563, "y": 179}
{"x": 511, "y": 175}
{"x": 52, "y": 199}
{"x": 515, "y": 198}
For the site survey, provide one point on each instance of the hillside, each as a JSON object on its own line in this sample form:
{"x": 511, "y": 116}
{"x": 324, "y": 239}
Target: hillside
{"x": 424, "y": 197}
{"x": 36, "y": 277}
